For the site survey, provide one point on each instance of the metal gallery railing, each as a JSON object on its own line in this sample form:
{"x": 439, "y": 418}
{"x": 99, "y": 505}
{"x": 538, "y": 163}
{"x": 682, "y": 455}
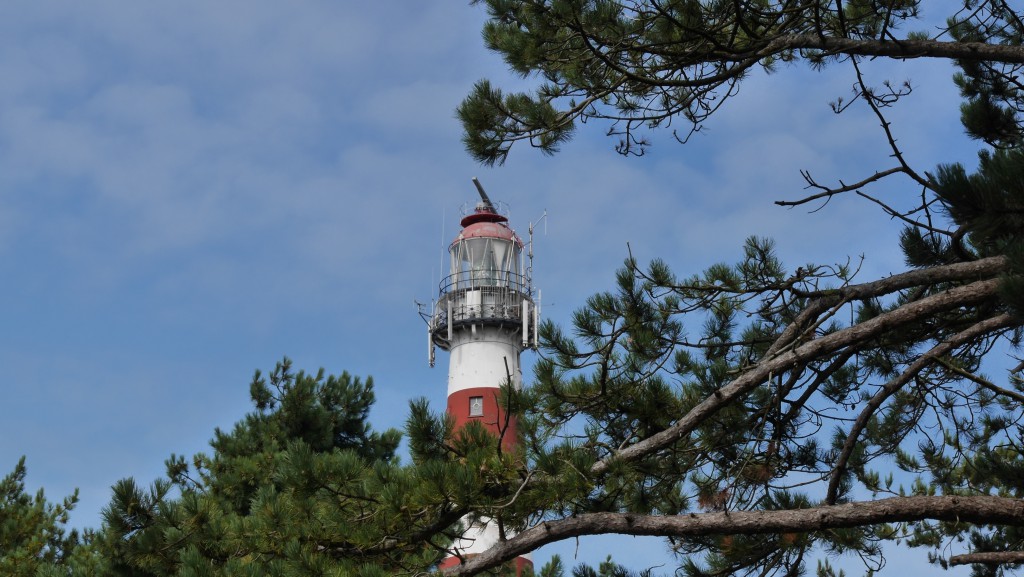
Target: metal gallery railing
{"x": 483, "y": 279}
{"x": 481, "y": 302}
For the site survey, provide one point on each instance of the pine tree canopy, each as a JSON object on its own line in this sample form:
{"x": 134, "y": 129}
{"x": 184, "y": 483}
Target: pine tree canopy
{"x": 300, "y": 486}
{"x": 764, "y": 418}
{"x": 644, "y": 64}
{"x": 32, "y": 530}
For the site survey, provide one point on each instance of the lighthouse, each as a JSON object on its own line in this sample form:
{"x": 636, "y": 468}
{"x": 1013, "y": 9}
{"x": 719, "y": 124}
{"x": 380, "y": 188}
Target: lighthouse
{"x": 484, "y": 316}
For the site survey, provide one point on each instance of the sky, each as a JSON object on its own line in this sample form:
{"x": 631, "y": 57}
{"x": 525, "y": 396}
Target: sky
{"x": 192, "y": 190}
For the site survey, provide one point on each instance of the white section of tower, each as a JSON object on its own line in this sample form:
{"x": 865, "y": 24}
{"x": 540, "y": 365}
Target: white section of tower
{"x": 478, "y": 358}
{"x": 481, "y": 534}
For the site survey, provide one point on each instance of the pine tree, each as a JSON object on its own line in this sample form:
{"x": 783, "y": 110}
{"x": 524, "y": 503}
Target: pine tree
{"x": 34, "y": 539}
{"x": 300, "y": 486}
{"x": 756, "y": 415}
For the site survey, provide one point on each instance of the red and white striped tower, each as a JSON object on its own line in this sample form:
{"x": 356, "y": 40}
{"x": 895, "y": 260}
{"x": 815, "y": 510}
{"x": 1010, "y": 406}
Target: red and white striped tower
{"x": 484, "y": 316}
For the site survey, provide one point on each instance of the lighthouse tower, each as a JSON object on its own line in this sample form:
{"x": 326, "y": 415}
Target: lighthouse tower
{"x": 484, "y": 316}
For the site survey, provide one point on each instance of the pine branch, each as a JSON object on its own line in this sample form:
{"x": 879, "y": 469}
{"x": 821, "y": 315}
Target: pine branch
{"x": 984, "y": 382}
{"x": 828, "y": 192}
{"x": 971, "y": 294}
{"x": 982, "y": 268}
{"x": 932, "y": 356}
{"x": 977, "y": 509}
{"x": 989, "y": 558}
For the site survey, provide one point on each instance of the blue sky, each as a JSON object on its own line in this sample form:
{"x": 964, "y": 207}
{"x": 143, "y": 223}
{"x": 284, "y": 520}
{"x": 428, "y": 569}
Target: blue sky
{"x": 191, "y": 190}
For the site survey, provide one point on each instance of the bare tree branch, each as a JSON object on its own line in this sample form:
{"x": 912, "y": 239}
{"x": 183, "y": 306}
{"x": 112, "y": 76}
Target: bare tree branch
{"x": 978, "y": 269}
{"x": 978, "y": 509}
{"x": 984, "y": 382}
{"x": 828, "y": 192}
{"x": 989, "y": 558}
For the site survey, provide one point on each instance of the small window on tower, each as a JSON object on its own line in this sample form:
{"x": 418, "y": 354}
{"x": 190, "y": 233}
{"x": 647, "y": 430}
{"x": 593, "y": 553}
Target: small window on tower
{"x": 476, "y": 406}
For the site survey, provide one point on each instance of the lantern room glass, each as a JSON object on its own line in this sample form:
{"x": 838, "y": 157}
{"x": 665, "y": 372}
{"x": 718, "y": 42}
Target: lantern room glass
{"x": 485, "y": 262}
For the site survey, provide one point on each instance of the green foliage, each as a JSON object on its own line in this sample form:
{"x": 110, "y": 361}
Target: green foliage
{"x": 492, "y": 119}
{"x": 301, "y": 486}
{"x": 988, "y": 206}
{"x": 607, "y": 568}
{"x": 749, "y": 385}
{"x": 992, "y": 95}
{"x": 645, "y": 64}
{"x": 660, "y": 348}
{"x": 34, "y": 540}
{"x": 322, "y": 413}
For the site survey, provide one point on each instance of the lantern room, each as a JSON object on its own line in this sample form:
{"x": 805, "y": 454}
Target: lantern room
{"x": 486, "y": 254}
